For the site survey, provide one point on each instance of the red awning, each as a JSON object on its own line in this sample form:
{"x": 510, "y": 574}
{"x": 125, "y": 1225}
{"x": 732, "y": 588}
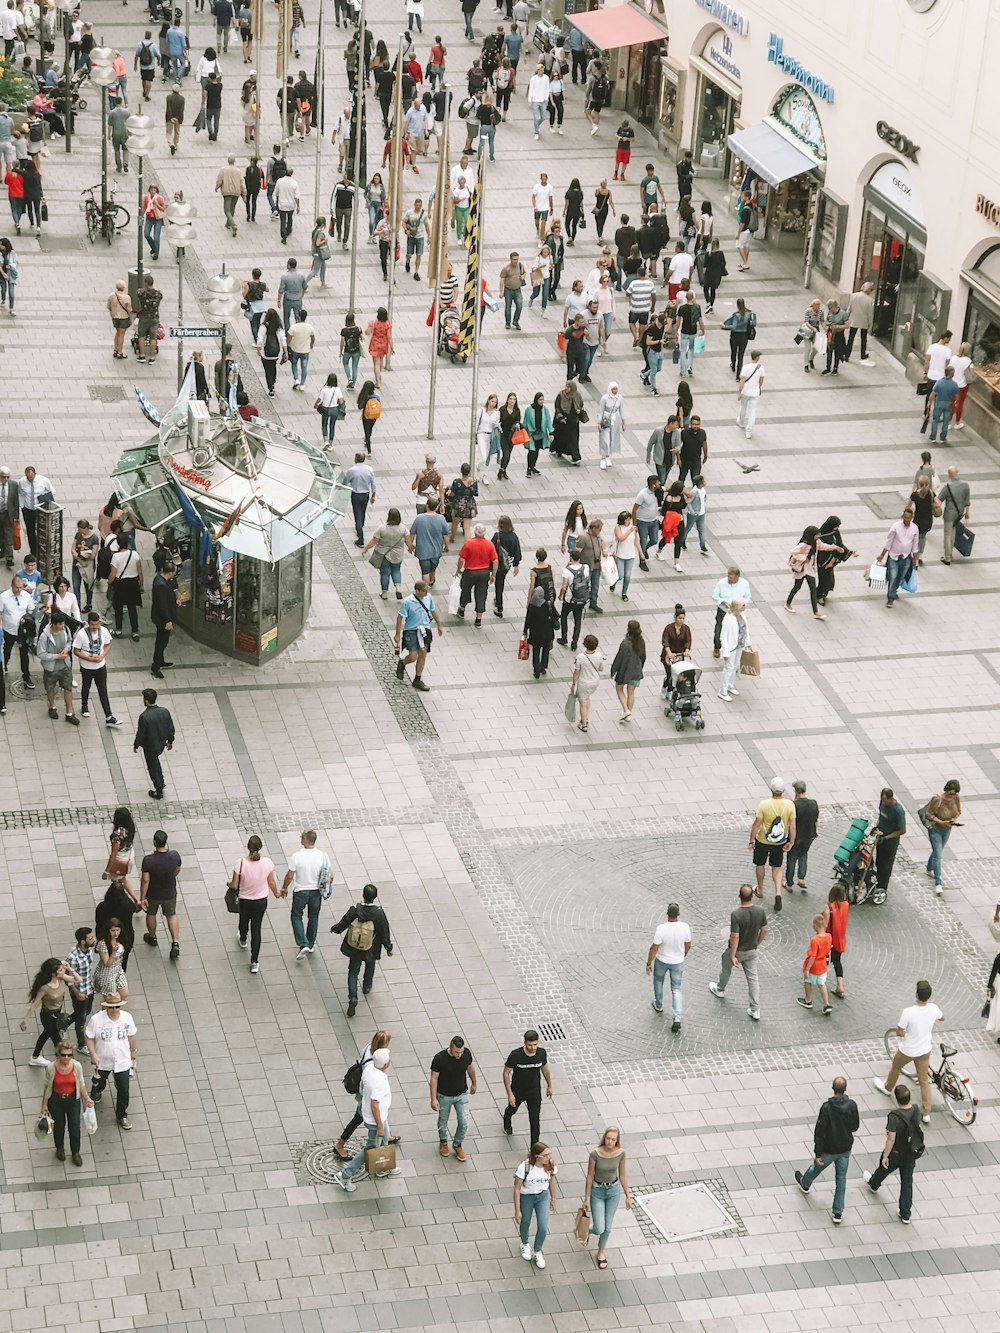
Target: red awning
{"x": 619, "y": 26}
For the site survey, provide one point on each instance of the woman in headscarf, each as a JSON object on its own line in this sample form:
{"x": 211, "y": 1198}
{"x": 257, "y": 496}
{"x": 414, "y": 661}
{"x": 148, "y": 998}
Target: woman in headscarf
{"x": 829, "y": 560}
{"x": 569, "y": 413}
{"x": 539, "y": 628}
{"x": 802, "y": 562}
{"x": 611, "y": 423}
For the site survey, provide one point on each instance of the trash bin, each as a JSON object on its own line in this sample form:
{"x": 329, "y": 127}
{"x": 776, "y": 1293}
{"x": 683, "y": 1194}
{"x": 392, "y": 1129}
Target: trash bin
{"x": 133, "y": 287}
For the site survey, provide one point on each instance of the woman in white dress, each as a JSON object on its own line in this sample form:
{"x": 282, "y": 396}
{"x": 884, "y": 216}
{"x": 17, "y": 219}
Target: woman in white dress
{"x": 610, "y": 424}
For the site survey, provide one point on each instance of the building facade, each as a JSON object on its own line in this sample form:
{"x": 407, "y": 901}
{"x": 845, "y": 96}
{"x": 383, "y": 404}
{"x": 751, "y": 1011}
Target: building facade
{"x": 870, "y": 136}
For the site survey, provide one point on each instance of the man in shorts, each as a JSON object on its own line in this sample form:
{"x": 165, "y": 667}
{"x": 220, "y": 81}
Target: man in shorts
{"x": 623, "y": 152}
{"x": 416, "y": 228}
{"x": 149, "y": 319}
{"x": 541, "y": 205}
{"x": 55, "y": 652}
{"x": 428, "y": 539}
{"x": 771, "y": 835}
{"x": 414, "y": 632}
{"x": 161, "y": 869}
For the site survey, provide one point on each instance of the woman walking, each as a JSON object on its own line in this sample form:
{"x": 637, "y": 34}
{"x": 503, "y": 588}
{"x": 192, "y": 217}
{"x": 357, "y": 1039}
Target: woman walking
{"x": 319, "y": 248}
{"x": 477, "y": 569}
{"x": 740, "y": 323}
{"x": 375, "y": 197}
{"x": 672, "y": 527}
{"x": 120, "y": 310}
{"x": 573, "y": 209}
{"x": 462, "y": 508}
{"x": 370, "y": 407}
{"x": 45, "y": 998}
{"x": 538, "y": 424}
{"x": 684, "y": 404}
{"x": 64, "y": 599}
{"x": 487, "y": 436}
{"x": 108, "y": 972}
{"x": 627, "y": 667}
{"x": 734, "y": 636}
{"x": 535, "y": 1196}
{"x": 541, "y": 272}
{"x": 574, "y": 527}
{"x": 332, "y": 408}
{"x": 379, "y": 342}
{"x": 676, "y": 640}
{"x": 587, "y": 670}
{"x": 508, "y": 548}
{"x": 713, "y": 270}
{"x": 539, "y": 626}
{"x": 627, "y": 550}
{"x": 253, "y": 875}
{"x": 120, "y": 902}
{"x": 606, "y": 307}
{"x": 827, "y": 562}
{"x": 802, "y": 563}
{"x": 557, "y": 104}
{"x": 611, "y": 423}
{"x": 350, "y": 348}
{"x": 9, "y": 270}
{"x": 254, "y": 291}
{"x": 606, "y": 1181}
{"x": 926, "y": 507}
{"x": 940, "y": 815}
{"x": 271, "y": 347}
{"x": 379, "y": 1042}
{"x": 603, "y": 203}
{"x": 62, "y": 1094}
{"x": 428, "y": 484}
{"x": 835, "y": 924}
{"x": 568, "y": 413}
{"x": 510, "y": 421}
{"x": 388, "y": 546}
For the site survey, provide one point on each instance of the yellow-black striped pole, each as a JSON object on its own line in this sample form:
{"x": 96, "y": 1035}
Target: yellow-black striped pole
{"x": 437, "y": 260}
{"x": 468, "y": 341}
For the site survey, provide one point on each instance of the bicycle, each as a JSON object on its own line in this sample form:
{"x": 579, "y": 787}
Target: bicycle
{"x": 106, "y": 222}
{"x": 959, "y": 1100}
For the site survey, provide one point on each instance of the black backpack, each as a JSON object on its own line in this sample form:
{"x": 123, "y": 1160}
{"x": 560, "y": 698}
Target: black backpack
{"x": 909, "y": 1121}
{"x": 352, "y": 1078}
{"x": 271, "y": 344}
{"x": 279, "y": 169}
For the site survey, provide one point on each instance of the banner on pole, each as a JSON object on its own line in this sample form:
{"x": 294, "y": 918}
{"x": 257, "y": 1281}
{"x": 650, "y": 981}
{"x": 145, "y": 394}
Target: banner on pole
{"x": 469, "y": 330}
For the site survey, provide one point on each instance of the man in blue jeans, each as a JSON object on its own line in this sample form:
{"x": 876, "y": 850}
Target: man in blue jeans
{"x": 901, "y": 549}
{"x": 904, "y": 1142}
{"x": 365, "y": 928}
{"x": 360, "y": 481}
{"x": 309, "y": 875}
{"x": 511, "y": 282}
{"x": 646, "y": 509}
{"x": 833, "y": 1139}
{"x": 942, "y": 398}
{"x": 453, "y": 1081}
{"x": 376, "y": 1098}
{"x": 671, "y": 946}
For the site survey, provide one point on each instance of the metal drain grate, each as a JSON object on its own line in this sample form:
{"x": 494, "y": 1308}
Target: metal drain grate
{"x": 550, "y": 1031}
{"x": 687, "y": 1211}
{"x": 106, "y": 393}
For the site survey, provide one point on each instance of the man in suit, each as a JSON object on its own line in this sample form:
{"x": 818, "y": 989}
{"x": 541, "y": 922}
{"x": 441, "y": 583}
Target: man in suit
{"x": 10, "y": 512}
{"x": 367, "y": 914}
{"x": 163, "y": 611}
{"x": 34, "y": 490}
{"x": 154, "y": 734}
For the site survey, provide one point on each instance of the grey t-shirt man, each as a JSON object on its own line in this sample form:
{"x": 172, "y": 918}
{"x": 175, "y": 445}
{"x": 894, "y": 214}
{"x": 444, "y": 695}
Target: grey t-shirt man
{"x": 292, "y": 287}
{"x": 955, "y": 496}
{"x": 747, "y": 922}
{"x": 647, "y": 501}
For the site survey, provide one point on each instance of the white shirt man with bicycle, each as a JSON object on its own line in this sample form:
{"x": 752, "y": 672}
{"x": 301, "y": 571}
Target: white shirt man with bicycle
{"x": 915, "y": 1031}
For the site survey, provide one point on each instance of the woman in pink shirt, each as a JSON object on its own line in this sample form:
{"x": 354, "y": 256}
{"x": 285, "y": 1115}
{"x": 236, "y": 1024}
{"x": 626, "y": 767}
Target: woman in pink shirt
{"x": 253, "y": 876}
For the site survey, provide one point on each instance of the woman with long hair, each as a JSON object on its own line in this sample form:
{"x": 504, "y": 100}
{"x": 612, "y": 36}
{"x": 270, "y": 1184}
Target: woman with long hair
{"x": 926, "y": 507}
{"x": 350, "y": 348}
{"x": 379, "y": 342}
{"x": 685, "y": 404}
{"x": 271, "y": 346}
{"x": 319, "y": 248}
{"x": 676, "y": 638}
{"x": 332, "y": 408}
{"x": 607, "y": 1180}
{"x": 388, "y": 543}
{"x": 64, "y": 599}
{"x": 253, "y": 876}
{"x": 739, "y": 324}
{"x": 627, "y": 668}
{"x": 535, "y": 1196}
{"x": 574, "y": 527}
{"x": 64, "y": 1090}
{"x": 603, "y": 202}
{"x": 487, "y": 436}
{"x": 379, "y": 1042}
{"x": 45, "y": 998}
{"x": 369, "y": 391}
{"x": 835, "y": 924}
{"x": 627, "y": 549}
{"x": 573, "y": 209}
{"x": 802, "y": 563}
{"x": 375, "y": 197}
{"x": 462, "y": 507}
{"x": 108, "y": 974}
{"x": 120, "y": 902}
{"x": 510, "y": 420}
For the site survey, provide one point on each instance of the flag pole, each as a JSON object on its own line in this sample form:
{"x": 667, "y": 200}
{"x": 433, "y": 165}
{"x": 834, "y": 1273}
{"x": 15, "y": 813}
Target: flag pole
{"x": 477, "y": 311}
{"x": 396, "y": 184}
{"x": 258, "y": 32}
{"x": 358, "y": 131}
{"x": 319, "y": 110}
{"x": 437, "y": 262}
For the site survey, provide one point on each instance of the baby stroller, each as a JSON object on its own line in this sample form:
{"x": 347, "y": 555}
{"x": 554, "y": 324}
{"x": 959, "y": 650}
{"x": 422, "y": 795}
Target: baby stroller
{"x": 449, "y": 326}
{"x": 854, "y": 864}
{"x": 681, "y": 695}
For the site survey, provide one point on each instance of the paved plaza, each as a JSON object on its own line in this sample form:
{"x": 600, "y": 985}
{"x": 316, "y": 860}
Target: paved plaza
{"x": 522, "y": 864}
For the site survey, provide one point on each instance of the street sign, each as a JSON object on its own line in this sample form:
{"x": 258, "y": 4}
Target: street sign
{"x": 185, "y": 331}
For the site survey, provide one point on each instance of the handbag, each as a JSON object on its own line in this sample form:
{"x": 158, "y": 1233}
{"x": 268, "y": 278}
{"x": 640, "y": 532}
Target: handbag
{"x": 380, "y": 1158}
{"x": 233, "y": 895}
{"x": 324, "y": 252}
{"x": 569, "y": 708}
{"x": 924, "y": 387}
{"x": 964, "y": 539}
{"x": 536, "y": 277}
{"x": 376, "y": 558}
{"x": 610, "y": 570}
{"x": 90, "y": 1119}
{"x": 117, "y": 866}
{"x": 523, "y": 652}
{"x": 876, "y": 576}
{"x": 561, "y": 341}
{"x": 455, "y": 596}
{"x": 749, "y": 662}
{"x": 520, "y": 436}
{"x": 676, "y": 355}
{"x": 582, "y": 1225}
{"x": 44, "y": 211}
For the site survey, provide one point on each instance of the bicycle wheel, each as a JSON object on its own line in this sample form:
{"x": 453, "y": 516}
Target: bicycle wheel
{"x": 91, "y": 223}
{"x": 121, "y": 217}
{"x": 959, "y": 1099}
{"x": 891, "y": 1047}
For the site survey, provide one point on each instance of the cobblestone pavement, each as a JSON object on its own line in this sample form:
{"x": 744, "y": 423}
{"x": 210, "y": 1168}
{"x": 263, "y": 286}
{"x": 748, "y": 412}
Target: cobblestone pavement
{"x": 522, "y": 864}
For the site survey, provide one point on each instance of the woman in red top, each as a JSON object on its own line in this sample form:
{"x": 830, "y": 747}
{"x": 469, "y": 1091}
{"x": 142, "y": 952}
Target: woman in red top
{"x": 835, "y": 923}
{"x": 61, "y": 1097}
{"x": 14, "y": 181}
{"x": 477, "y": 568}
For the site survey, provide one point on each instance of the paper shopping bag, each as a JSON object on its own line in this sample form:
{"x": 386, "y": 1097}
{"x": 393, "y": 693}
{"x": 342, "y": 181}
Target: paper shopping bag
{"x": 582, "y": 1225}
{"x": 749, "y": 662}
{"x": 380, "y": 1158}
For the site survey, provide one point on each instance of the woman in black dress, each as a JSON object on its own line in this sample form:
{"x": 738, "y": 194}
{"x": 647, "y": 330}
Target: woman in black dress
{"x": 603, "y": 201}
{"x": 573, "y": 209}
{"x": 121, "y": 900}
{"x": 508, "y": 559}
{"x": 828, "y": 561}
{"x": 568, "y": 413}
{"x": 539, "y": 626}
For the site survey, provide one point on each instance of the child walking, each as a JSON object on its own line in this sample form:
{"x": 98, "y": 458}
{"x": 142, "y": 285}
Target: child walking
{"x": 815, "y": 965}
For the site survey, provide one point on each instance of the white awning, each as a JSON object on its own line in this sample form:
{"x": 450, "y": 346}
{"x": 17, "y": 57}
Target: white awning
{"x": 770, "y": 154}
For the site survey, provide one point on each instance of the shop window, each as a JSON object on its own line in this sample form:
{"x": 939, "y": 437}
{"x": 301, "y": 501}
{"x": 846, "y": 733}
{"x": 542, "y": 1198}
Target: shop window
{"x": 831, "y": 225}
{"x": 982, "y": 330}
{"x": 667, "y": 113}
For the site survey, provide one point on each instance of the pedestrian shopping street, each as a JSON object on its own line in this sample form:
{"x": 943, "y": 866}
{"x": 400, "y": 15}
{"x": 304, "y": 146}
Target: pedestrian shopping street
{"x": 523, "y": 865}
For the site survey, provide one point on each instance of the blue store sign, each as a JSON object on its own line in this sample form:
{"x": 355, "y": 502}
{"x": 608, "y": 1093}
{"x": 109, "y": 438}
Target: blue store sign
{"x": 726, "y": 15}
{"x": 795, "y": 70}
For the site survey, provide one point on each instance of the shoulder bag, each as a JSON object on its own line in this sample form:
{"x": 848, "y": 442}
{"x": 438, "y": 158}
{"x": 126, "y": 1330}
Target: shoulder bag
{"x": 233, "y": 895}
{"x": 117, "y": 867}
{"x": 964, "y": 537}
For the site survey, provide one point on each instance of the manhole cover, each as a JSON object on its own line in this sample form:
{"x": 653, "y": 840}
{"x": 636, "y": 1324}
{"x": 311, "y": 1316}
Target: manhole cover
{"x": 688, "y": 1212}
{"x": 106, "y": 393}
{"x": 315, "y": 1161}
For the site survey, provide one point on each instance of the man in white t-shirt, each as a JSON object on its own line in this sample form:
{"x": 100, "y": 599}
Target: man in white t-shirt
{"x": 91, "y": 645}
{"x": 110, "y": 1037}
{"x": 938, "y": 356}
{"x": 748, "y": 392}
{"x": 671, "y": 945}
{"x": 309, "y": 869}
{"x": 679, "y": 271}
{"x": 915, "y": 1031}
{"x": 376, "y": 1098}
{"x": 541, "y": 203}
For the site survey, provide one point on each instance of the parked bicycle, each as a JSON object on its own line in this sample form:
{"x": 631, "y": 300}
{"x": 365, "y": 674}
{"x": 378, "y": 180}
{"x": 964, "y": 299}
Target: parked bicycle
{"x": 959, "y": 1100}
{"x": 104, "y": 222}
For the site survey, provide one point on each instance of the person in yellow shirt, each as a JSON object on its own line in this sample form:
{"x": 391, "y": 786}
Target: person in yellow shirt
{"x": 771, "y": 835}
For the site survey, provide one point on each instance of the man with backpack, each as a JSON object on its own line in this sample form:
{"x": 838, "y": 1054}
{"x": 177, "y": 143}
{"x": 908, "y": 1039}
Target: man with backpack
{"x": 904, "y": 1144}
{"x": 771, "y": 835}
{"x": 147, "y": 57}
{"x": 367, "y": 934}
{"x": 275, "y": 170}
{"x": 574, "y": 595}
{"x": 308, "y": 875}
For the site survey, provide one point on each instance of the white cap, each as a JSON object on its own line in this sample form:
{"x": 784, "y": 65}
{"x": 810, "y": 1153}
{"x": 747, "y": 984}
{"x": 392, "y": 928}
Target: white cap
{"x": 381, "y": 1058}
{"x": 777, "y": 784}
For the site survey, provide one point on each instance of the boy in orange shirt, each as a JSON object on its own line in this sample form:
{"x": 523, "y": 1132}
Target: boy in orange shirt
{"x": 815, "y": 965}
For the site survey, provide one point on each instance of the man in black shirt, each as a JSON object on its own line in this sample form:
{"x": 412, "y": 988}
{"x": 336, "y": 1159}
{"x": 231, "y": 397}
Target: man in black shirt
{"x": 154, "y": 733}
{"x": 164, "y": 611}
{"x": 833, "y": 1139}
{"x": 891, "y": 826}
{"x": 904, "y": 1143}
{"x": 806, "y": 819}
{"x": 453, "y": 1081}
{"x": 523, "y": 1072}
{"x": 693, "y": 452}
{"x": 690, "y": 325}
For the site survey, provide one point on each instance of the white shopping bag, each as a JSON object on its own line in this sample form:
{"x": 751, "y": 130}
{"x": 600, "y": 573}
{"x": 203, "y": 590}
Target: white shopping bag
{"x": 90, "y": 1119}
{"x": 454, "y": 596}
{"x": 876, "y": 576}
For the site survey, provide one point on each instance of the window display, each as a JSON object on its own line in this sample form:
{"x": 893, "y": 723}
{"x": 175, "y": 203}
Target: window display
{"x": 667, "y": 115}
{"x": 831, "y": 224}
{"x": 982, "y": 325}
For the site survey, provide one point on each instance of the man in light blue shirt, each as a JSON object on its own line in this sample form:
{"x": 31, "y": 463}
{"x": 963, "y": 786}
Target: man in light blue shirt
{"x": 428, "y": 540}
{"x": 6, "y": 141}
{"x": 577, "y": 47}
{"x": 414, "y": 632}
{"x": 177, "y": 45}
{"x": 360, "y": 481}
{"x": 732, "y": 587}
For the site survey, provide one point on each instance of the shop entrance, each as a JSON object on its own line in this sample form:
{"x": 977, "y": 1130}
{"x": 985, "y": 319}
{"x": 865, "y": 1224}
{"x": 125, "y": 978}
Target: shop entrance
{"x": 642, "y": 88}
{"x": 891, "y": 256}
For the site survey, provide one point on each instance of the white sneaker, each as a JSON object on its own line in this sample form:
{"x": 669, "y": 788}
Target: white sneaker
{"x": 394, "y": 1171}
{"x": 866, "y": 1176}
{"x": 539, "y": 1260}
{"x": 39, "y": 1061}
{"x": 880, "y": 1085}
{"x": 310, "y": 948}
{"x": 255, "y": 967}
{"x": 733, "y": 689}
{"x": 726, "y": 698}
{"x": 677, "y": 566}
{"x": 526, "y": 1252}
{"x": 604, "y": 464}
{"x": 754, "y": 1014}
{"x": 713, "y": 986}
{"x": 301, "y": 953}
{"x": 926, "y": 1119}
{"x": 958, "y": 425}
{"x": 242, "y": 942}
{"x": 609, "y": 462}
{"x": 749, "y": 434}
{"x": 594, "y": 130}
{"x": 536, "y": 136}
{"x": 347, "y": 1185}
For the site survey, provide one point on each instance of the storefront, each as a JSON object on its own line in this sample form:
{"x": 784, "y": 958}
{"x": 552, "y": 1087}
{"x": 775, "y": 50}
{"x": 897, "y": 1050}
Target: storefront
{"x": 643, "y": 80}
{"x": 717, "y": 104}
{"x": 639, "y": 46}
{"x": 668, "y": 113}
{"x": 982, "y": 331}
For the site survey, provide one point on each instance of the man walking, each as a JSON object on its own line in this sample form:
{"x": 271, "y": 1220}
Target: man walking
{"x": 10, "y": 512}
{"x": 110, "y": 1037}
{"x": 428, "y": 539}
{"x": 523, "y": 1072}
{"x": 414, "y": 623}
{"x": 733, "y": 587}
{"x": 161, "y": 869}
{"x": 956, "y": 498}
{"x": 860, "y": 319}
{"x": 747, "y": 932}
{"x": 91, "y": 645}
{"x": 174, "y": 114}
{"x": 691, "y": 325}
{"x": 453, "y": 1082}
{"x": 511, "y": 281}
{"x": 646, "y": 507}
{"x": 301, "y": 340}
{"x": 376, "y": 1098}
{"x": 833, "y": 1139}
{"x": 118, "y": 134}
{"x": 771, "y": 835}
{"x": 308, "y": 875}
{"x": 163, "y": 613}
{"x": 891, "y": 827}
{"x": 901, "y": 549}
{"x": 154, "y": 733}
{"x": 360, "y": 481}
{"x": 915, "y": 1031}
{"x": 904, "y": 1143}
{"x": 291, "y": 292}
{"x": 286, "y": 196}
{"x": 691, "y": 453}
{"x": 55, "y": 653}
{"x": 232, "y": 186}
{"x": 748, "y": 393}
{"x": 671, "y": 946}
{"x": 367, "y": 934}
{"x": 81, "y": 960}
{"x": 342, "y": 208}
{"x": 806, "y": 819}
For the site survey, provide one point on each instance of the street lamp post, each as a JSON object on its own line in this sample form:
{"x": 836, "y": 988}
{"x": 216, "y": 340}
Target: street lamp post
{"x": 224, "y": 299}
{"x": 67, "y": 8}
{"x": 180, "y": 233}
{"x": 102, "y": 73}
{"x": 140, "y": 141}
